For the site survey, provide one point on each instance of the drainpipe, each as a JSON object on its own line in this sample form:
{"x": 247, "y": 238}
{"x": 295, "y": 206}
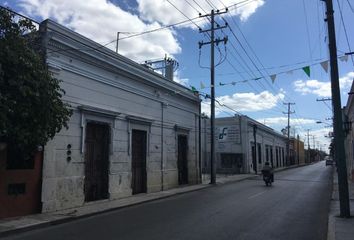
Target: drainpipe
{"x": 255, "y": 148}
{"x": 200, "y": 140}
{"x": 162, "y": 122}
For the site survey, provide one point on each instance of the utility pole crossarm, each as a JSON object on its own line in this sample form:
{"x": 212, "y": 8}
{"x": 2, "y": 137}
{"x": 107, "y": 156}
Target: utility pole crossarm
{"x": 217, "y": 41}
{"x": 323, "y": 99}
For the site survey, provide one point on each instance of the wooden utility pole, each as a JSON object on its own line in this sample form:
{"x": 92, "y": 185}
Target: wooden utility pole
{"x": 288, "y": 141}
{"x": 337, "y": 116}
{"x": 212, "y": 43}
{"x": 308, "y": 145}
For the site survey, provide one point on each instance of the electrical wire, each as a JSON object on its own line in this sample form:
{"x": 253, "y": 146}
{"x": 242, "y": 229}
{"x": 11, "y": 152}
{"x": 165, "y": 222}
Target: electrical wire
{"x": 350, "y": 5}
{"x": 307, "y": 29}
{"x": 345, "y": 30}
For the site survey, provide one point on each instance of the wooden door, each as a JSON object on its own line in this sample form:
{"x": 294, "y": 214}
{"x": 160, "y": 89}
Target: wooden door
{"x": 96, "y": 161}
{"x": 139, "y": 178}
{"x": 182, "y": 160}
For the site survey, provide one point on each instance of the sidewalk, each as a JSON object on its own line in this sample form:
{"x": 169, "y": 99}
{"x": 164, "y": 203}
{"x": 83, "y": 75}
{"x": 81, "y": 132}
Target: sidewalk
{"x": 30, "y": 222}
{"x": 340, "y": 228}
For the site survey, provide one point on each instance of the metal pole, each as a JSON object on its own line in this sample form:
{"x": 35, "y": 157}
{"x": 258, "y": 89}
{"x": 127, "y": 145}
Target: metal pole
{"x": 255, "y": 148}
{"x": 298, "y": 149}
{"x": 337, "y": 111}
{"x": 212, "y": 108}
{"x": 200, "y": 140}
{"x": 117, "y": 42}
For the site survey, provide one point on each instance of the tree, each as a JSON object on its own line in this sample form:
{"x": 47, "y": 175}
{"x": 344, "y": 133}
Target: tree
{"x": 31, "y": 109}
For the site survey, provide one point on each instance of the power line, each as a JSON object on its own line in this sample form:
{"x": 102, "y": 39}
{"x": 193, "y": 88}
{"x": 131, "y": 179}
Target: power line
{"x": 350, "y": 5}
{"x": 18, "y": 14}
{"x": 345, "y": 30}
{"x": 307, "y": 29}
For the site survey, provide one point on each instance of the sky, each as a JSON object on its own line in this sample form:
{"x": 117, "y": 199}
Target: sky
{"x": 259, "y": 70}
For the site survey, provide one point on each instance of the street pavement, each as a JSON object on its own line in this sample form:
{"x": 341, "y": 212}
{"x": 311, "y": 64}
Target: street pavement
{"x": 295, "y": 207}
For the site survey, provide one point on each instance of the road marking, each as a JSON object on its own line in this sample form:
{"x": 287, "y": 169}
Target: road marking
{"x": 256, "y": 195}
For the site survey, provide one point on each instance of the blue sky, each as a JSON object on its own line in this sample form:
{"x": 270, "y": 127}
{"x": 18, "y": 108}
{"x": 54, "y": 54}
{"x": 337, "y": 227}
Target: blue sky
{"x": 267, "y": 39}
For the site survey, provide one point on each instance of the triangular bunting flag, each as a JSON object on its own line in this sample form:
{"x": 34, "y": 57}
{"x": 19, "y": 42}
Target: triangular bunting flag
{"x": 221, "y": 84}
{"x": 202, "y": 86}
{"x": 289, "y": 72}
{"x": 273, "y": 77}
{"x": 307, "y": 70}
{"x": 194, "y": 89}
{"x": 344, "y": 58}
{"x": 324, "y": 65}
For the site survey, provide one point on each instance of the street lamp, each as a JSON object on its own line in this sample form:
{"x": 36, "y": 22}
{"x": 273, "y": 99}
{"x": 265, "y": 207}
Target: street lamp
{"x": 329, "y": 125}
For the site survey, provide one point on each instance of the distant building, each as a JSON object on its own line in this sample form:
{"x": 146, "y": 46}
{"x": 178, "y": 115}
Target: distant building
{"x": 297, "y": 152}
{"x": 235, "y": 145}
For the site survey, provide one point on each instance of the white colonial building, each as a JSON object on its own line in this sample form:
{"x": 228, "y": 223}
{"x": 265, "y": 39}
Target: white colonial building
{"x": 132, "y": 130}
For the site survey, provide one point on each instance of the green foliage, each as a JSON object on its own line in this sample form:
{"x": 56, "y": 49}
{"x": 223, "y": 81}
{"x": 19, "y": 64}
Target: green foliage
{"x": 31, "y": 110}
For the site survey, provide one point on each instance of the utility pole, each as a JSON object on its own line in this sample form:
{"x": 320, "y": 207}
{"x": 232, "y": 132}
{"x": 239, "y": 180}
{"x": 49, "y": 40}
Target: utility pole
{"x": 288, "y": 142}
{"x": 212, "y": 85}
{"x": 337, "y": 115}
{"x": 314, "y": 142}
{"x": 308, "y": 145}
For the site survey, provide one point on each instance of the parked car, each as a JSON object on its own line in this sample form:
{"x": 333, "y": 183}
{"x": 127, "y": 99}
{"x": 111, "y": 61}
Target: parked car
{"x": 329, "y": 161}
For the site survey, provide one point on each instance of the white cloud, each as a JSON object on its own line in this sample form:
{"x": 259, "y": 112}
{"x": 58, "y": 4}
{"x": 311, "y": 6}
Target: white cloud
{"x": 100, "y": 21}
{"x": 182, "y": 81}
{"x": 245, "y": 102}
{"x": 284, "y": 121}
{"x": 166, "y": 13}
{"x": 322, "y": 89}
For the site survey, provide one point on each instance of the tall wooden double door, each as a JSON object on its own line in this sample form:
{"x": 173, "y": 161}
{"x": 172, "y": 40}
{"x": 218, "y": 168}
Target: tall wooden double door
{"x": 139, "y": 175}
{"x": 96, "y": 161}
{"x": 182, "y": 161}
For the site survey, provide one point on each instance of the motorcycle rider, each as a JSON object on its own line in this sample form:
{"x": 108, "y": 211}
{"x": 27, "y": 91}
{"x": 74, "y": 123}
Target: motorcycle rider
{"x": 268, "y": 169}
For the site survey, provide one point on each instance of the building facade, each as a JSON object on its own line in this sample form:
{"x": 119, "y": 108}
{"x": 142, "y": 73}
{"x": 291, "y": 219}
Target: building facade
{"x": 242, "y": 145}
{"x": 132, "y": 130}
{"x": 348, "y": 120}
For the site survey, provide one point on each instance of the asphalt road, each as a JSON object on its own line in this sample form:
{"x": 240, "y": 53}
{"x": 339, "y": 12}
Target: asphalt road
{"x": 295, "y": 207}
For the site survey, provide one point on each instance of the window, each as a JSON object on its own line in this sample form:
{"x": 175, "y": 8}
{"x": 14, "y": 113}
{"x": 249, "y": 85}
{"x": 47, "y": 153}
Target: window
{"x": 228, "y": 160}
{"x": 259, "y": 153}
{"x": 16, "y": 159}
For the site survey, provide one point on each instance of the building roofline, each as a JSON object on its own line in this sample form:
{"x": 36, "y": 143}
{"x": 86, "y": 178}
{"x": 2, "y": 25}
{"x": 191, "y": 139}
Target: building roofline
{"x": 114, "y": 59}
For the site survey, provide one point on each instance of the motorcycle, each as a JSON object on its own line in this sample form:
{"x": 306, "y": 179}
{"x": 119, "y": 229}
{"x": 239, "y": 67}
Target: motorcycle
{"x": 267, "y": 178}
